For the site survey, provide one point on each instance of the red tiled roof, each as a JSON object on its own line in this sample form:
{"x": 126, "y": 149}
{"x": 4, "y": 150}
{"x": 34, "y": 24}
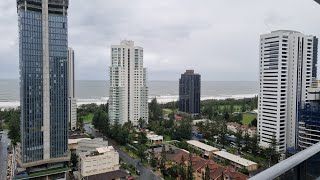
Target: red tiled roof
{"x": 215, "y": 174}
{"x": 177, "y": 156}
{"x": 235, "y": 175}
{"x": 197, "y": 163}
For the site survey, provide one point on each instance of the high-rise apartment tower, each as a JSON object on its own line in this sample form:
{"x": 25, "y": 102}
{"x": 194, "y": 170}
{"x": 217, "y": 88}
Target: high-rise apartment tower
{"x": 190, "y": 92}
{"x": 128, "y": 94}
{"x": 286, "y": 69}
{"x": 72, "y": 102}
{"x": 43, "y": 55}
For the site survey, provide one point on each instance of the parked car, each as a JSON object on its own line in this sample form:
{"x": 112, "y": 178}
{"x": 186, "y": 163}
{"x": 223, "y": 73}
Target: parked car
{"x": 138, "y": 172}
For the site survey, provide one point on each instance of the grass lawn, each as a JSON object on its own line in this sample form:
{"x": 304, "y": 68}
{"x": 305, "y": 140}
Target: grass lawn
{"x": 167, "y": 111}
{"x": 88, "y": 118}
{"x": 129, "y": 152}
{"x": 167, "y": 138}
{"x": 247, "y": 118}
{"x": 237, "y": 108}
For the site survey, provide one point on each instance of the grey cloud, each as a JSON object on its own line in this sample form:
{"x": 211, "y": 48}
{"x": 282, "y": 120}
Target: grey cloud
{"x": 219, "y": 39}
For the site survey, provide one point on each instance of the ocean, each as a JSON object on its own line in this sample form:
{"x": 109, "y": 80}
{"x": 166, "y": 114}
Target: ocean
{"x": 94, "y": 91}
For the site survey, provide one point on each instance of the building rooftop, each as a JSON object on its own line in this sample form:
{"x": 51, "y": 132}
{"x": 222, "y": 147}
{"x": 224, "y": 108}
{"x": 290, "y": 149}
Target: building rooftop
{"x": 96, "y": 152}
{"x": 285, "y": 31}
{"x": 104, "y": 149}
{"x": 154, "y": 137}
{"x": 202, "y": 145}
{"x": 75, "y": 141}
{"x": 234, "y": 158}
{"x": 109, "y": 175}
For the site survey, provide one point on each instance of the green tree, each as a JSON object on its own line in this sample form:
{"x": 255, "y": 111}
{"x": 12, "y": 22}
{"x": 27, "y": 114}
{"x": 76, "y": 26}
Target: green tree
{"x": 171, "y": 115}
{"x": 254, "y": 122}
{"x": 155, "y": 112}
{"x": 182, "y": 169}
{"x": 223, "y": 133}
{"x": 173, "y": 172}
{"x": 190, "y": 171}
{"x": 226, "y": 116}
{"x": 99, "y": 118}
{"x": 14, "y": 127}
{"x": 163, "y": 162}
{"x": 272, "y": 151}
{"x": 183, "y": 131}
{"x": 206, "y": 175}
{"x": 254, "y": 145}
{"x": 142, "y": 138}
{"x": 208, "y": 111}
{"x": 140, "y": 152}
{"x": 74, "y": 159}
{"x": 80, "y": 123}
{"x": 246, "y": 140}
{"x": 153, "y": 161}
{"x": 239, "y": 139}
{"x": 243, "y": 108}
{"x": 141, "y": 123}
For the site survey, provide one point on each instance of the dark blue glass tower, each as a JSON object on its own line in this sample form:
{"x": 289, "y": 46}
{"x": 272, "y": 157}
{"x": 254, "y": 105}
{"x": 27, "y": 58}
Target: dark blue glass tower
{"x": 189, "y": 92}
{"x": 43, "y": 47}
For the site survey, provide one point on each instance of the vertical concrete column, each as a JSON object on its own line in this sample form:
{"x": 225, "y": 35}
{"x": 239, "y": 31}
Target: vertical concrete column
{"x": 46, "y": 81}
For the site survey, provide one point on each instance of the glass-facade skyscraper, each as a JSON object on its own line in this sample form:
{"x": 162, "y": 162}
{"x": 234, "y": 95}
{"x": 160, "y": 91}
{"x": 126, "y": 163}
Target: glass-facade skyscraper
{"x": 43, "y": 51}
{"x": 190, "y": 93}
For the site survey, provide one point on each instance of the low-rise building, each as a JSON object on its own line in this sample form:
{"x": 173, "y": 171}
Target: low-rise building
{"x": 91, "y": 144}
{"x": 196, "y": 121}
{"x": 154, "y": 138}
{"x": 206, "y": 150}
{"x": 156, "y": 152}
{"x": 218, "y": 172}
{"x": 96, "y": 160}
{"x": 99, "y": 161}
{"x": 236, "y": 161}
{"x": 73, "y": 143}
{"x": 234, "y": 127}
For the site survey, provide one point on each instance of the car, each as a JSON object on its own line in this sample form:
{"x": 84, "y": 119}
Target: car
{"x": 128, "y": 172}
{"x": 138, "y": 172}
{"x": 139, "y": 164}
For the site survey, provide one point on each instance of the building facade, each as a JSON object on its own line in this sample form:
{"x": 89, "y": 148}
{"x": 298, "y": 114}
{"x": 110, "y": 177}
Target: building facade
{"x": 72, "y": 102}
{"x": 190, "y": 92}
{"x": 101, "y": 160}
{"x": 128, "y": 95}
{"x": 286, "y": 69}
{"x": 43, "y": 60}
{"x": 309, "y": 120}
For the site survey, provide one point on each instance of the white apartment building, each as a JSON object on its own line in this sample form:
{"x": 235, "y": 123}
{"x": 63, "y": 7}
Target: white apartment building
{"x": 128, "y": 95}
{"x": 99, "y": 161}
{"x": 72, "y": 102}
{"x": 286, "y": 67}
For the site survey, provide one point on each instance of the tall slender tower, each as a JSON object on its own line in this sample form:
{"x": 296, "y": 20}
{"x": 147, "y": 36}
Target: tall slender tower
{"x": 189, "y": 92}
{"x": 286, "y": 69}
{"x": 43, "y": 55}
{"x": 128, "y": 84}
{"x": 72, "y": 104}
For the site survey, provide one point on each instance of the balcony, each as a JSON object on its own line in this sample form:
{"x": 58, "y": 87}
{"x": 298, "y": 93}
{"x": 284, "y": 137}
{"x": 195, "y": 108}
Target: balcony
{"x": 303, "y": 165}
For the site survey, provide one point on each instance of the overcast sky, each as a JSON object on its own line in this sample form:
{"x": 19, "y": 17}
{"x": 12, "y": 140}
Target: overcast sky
{"x": 219, "y": 39}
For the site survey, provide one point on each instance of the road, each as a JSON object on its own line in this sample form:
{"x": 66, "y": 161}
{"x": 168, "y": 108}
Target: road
{"x": 146, "y": 174}
{"x": 3, "y": 154}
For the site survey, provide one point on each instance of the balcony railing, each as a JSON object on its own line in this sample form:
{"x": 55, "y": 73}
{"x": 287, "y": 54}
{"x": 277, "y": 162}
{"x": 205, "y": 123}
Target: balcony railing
{"x": 303, "y": 165}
